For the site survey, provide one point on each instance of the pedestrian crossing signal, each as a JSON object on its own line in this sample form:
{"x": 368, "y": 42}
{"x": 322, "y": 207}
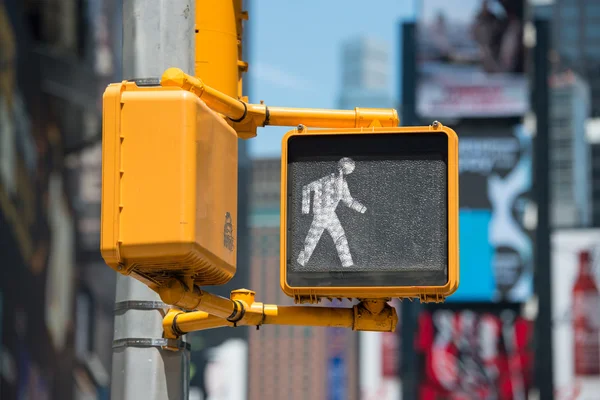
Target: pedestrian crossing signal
{"x": 370, "y": 213}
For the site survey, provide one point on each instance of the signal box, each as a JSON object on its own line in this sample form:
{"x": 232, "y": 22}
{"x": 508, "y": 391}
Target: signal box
{"x": 370, "y": 213}
{"x": 169, "y": 186}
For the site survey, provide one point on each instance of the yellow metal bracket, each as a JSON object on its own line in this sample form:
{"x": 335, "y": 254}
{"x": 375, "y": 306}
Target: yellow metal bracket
{"x": 204, "y": 310}
{"x": 246, "y": 118}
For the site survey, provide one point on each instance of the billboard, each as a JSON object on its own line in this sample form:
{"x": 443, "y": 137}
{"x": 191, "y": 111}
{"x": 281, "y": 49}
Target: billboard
{"x": 495, "y": 169}
{"x": 576, "y": 319}
{"x": 471, "y": 58}
{"x": 474, "y": 351}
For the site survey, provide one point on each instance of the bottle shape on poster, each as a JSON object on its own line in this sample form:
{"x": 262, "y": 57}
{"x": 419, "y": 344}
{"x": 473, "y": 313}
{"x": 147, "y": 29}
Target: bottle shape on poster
{"x": 586, "y": 320}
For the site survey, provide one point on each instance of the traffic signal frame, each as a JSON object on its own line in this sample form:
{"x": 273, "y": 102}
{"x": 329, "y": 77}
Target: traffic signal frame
{"x": 332, "y": 281}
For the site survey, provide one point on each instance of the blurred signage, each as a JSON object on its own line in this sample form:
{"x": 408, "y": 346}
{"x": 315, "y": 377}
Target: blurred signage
{"x": 496, "y": 258}
{"x": 470, "y": 59}
{"x": 480, "y": 352}
{"x": 576, "y": 315}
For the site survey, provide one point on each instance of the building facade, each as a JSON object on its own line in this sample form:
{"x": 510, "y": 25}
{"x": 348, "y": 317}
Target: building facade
{"x": 365, "y": 74}
{"x": 576, "y": 38}
{"x": 570, "y": 153}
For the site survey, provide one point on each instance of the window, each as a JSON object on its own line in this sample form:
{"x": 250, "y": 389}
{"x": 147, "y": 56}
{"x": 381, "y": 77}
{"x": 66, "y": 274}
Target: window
{"x": 570, "y": 51}
{"x": 569, "y": 11}
{"x": 569, "y": 33}
{"x": 561, "y": 144}
{"x": 58, "y": 23}
{"x": 592, "y": 50}
{"x": 592, "y": 31}
{"x": 592, "y": 10}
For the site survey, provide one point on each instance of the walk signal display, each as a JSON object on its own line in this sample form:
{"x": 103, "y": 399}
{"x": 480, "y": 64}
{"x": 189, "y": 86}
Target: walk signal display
{"x": 169, "y": 186}
{"x": 370, "y": 213}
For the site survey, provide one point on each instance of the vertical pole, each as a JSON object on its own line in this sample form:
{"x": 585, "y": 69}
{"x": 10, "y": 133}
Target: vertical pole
{"x": 410, "y": 366}
{"x": 157, "y": 34}
{"x": 543, "y": 372}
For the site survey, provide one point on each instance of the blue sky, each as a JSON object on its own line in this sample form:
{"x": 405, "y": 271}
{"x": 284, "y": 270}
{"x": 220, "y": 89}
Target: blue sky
{"x": 296, "y": 52}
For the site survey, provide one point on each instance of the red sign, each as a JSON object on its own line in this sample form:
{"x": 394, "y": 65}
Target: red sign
{"x": 469, "y": 354}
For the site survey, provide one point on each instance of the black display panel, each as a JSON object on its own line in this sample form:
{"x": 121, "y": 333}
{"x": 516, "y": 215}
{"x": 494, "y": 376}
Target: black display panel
{"x": 367, "y": 210}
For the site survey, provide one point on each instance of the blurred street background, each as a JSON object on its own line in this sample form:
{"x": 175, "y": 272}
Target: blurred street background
{"x": 467, "y": 63}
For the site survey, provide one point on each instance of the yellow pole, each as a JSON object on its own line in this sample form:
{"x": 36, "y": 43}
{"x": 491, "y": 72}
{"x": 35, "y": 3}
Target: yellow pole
{"x": 218, "y": 43}
{"x": 309, "y": 316}
{"x": 256, "y": 115}
{"x": 214, "y": 311}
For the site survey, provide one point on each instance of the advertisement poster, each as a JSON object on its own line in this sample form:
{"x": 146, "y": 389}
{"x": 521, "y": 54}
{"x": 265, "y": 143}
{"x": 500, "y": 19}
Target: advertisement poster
{"x": 482, "y": 352}
{"x": 576, "y": 313}
{"x": 471, "y": 58}
{"x": 495, "y": 170}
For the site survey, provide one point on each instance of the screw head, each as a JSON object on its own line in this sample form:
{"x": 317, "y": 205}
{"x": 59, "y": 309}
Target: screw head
{"x": 300, "y": 128}
{"x": 436, "y": 124}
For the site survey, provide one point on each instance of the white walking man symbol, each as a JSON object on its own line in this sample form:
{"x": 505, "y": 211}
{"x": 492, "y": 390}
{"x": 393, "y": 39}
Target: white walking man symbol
{"x": 329, "y": 190}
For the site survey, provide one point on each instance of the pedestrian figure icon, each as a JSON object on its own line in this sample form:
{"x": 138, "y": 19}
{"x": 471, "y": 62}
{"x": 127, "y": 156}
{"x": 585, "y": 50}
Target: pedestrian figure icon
{"x": 328, "y": 192}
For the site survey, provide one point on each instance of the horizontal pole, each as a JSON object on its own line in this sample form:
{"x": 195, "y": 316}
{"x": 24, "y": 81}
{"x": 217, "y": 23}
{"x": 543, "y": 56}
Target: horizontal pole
{"x": 357, "y": 318}
{"x": 324, "y": 118}
{"x": 251, "y": 116}
{"x": 309, "y": 316}
{"x": 212, "y": 311}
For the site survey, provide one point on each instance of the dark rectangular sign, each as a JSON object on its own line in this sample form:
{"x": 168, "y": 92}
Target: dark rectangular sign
{"x": 367, "y": 210}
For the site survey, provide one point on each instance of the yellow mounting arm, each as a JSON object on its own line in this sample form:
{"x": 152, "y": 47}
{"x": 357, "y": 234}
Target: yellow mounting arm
{"x": 247, "y": 118}
{"x": 216, "y": 311}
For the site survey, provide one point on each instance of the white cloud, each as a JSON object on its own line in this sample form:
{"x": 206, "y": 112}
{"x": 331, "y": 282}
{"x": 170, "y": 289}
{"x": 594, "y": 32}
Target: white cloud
{"x": 279, "y": 77}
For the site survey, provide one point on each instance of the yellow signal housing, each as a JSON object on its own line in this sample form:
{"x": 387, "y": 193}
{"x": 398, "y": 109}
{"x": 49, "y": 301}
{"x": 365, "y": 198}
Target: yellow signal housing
{"x": 369, "y": 213}
{"x": 169, "y": 186}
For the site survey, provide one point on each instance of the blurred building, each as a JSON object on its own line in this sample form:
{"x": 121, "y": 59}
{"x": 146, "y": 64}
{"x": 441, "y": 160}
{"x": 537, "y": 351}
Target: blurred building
{"x": 57, "y": 296}
{"x": 289, "y": 362}
{"x": 576, "y": 37}
{"x": 570, "y": 153}
{"x": 365, "y": 69}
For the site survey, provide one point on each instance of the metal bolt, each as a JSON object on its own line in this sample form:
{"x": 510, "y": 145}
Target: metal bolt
{"x": 120, "y": 267}
{"x": 300, "y": 128}
{"x": 436, "y": 124}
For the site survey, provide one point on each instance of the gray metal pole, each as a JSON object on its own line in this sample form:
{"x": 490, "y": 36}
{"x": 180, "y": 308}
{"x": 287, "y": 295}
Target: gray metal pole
{"x": 544, "y": 367}
{"x": 157, "y": 34}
